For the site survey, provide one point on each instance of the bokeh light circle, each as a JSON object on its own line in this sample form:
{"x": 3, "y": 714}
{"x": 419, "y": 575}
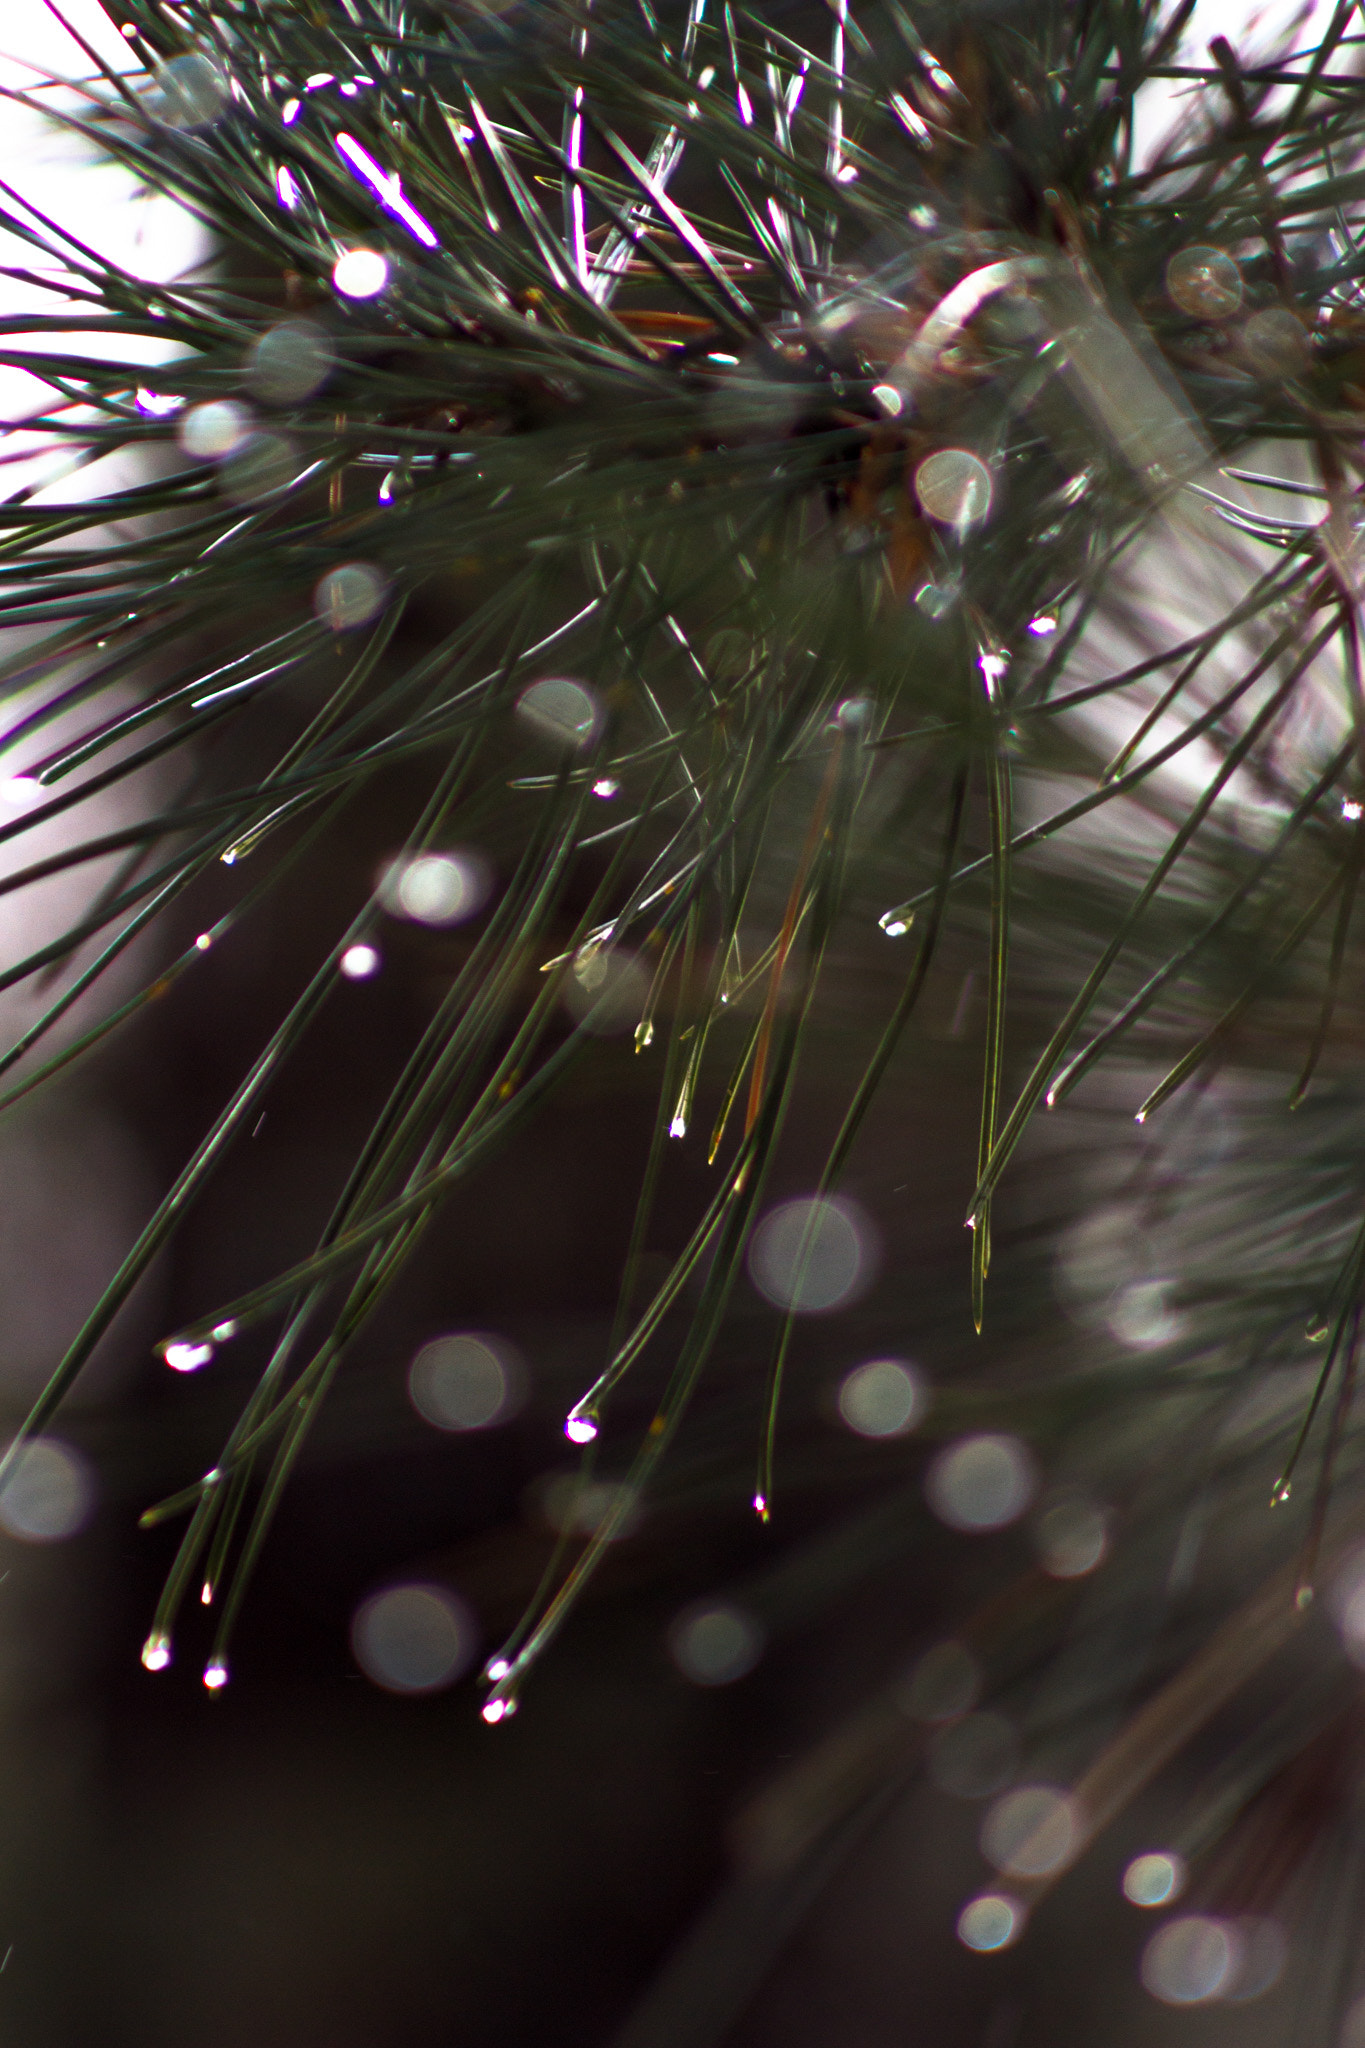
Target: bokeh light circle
{"x": 215, "y": 430}
{"x": 813, "y": 1254}
{"x": 350, "y": 596}
{"x": 289, "y": 362}
{"x": 954, "y": 487}
{"x": 467, "y": 1381}
{"x": 559, "y": 711}
{"x": 715, "y": 1643}
{"x": 885, "y": 1397}
{"x": 1189, "y": 1960}
{"x": 50, "y": 1495}
{"x": 981, "y": 1482}
{"x": 414, "y": 1638}
{"x": 1071, "y": 1537}
{"x": 944, "y": 1683}
{"x": 435, "y": 888}
{"x": 1154, "y": 1879}
{"x": 991, "y": 1921}
{"x": 1031, "y": 1831}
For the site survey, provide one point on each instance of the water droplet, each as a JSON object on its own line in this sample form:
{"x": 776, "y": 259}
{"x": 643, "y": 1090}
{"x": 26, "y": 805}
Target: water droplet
{"x": 883, "y": 1398}
{"x": 1280, "y": 1493}
{"x": 954, "y": 487}
{"x": 981, "y": 1482}
{"x": 606, "y": 788}
{"x": 496, "y": 1710}
{"x": 467, "y": 1381}
{"x": 891, "y": 401}
{"x": 1350, "y": 809}
{"x": 1155, "y": 1879}
{"x": 194, "y": 92}
{"x": 678, "y": 1126}
{"x": 580, "y": 1428}
{"x": 220, "y": 1335}
{"x": 496, "y": 1668}
{"x": 350, "y": 596}
{"x": 216, "y": 1674}
{"x": 181, "y": 1356}
{"x": 607, "y": 991}
{"x": 715, "y": 1643}
{"x": 1204, "y": 282}
{"x": 895, "y": 927}
{"x": 359, "y": 962}
{"x": 204, "y": 941}
{"x": 991, "y": 1921}
{"x": 1044, "y": 624}
{"x": 360, "y": 274}
{"x": 287, "y": 185}
{"x": 156, "y": 1651}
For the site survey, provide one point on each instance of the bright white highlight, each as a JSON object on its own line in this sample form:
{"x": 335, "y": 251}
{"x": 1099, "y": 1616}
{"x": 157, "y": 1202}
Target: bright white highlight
{"x": 435, "y": 888}
{"x": 360, "y": 274}
{"x": 360, "y": 962}
{"x": 981, "y": 1482}
{"x": 580, "y": 1429}
{"x": 891, "y": 401}
{"x": 50, "y": 1495}
{"x": 156, "y": 1652}
{"x": 387, "y": 188}
{"x": 182, "y": 1357}
{"x": 414, "y": 1638}
{"x": 466, "y": 1381}
{"x": 216, "y": 1674}
{"x": 211, "y": 432}
{"x": 883, "y": 1398}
